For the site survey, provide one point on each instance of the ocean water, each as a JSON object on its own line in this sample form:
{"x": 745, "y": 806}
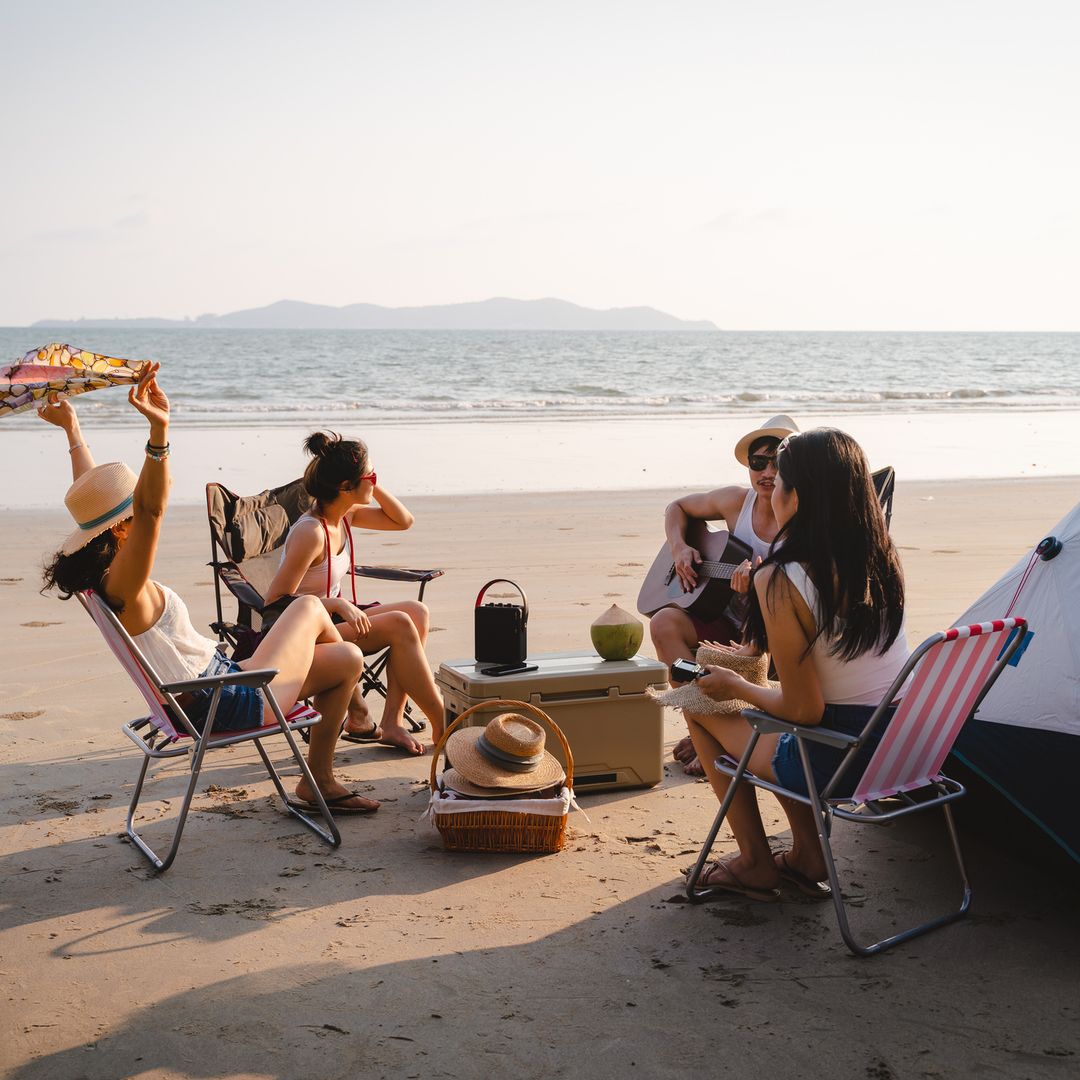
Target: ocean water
{"x": 256, "y": 377}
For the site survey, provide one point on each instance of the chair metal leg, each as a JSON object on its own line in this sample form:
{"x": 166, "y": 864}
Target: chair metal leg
{"x": 693, "y": 893}
{"x": 330, "y": 835}
{"x": 823, "y": 819}
{"x": 161, "y": 865}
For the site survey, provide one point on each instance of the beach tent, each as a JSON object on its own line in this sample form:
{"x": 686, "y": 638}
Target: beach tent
{"x": 1026, "y": 738}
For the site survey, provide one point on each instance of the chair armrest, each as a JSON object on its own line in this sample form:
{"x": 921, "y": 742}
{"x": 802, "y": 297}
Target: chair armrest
{"x": 398, "y": 573}
{"x": 770, "y": 725}
{"x": 259, "y": 677}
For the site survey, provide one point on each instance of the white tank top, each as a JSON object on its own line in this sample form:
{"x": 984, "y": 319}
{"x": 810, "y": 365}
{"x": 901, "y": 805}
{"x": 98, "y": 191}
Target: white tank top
{"x": 313, "y": 583}
{"x": 175, "y": 649}
{"x": 862, "y": 681}
{"x": 744, "y": 527}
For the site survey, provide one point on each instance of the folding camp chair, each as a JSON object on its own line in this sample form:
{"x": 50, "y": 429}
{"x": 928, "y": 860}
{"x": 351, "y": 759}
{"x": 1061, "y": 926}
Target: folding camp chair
{"x": 951, "y": 672}
{"x": 884, "y": 481}
{"x": 168, "y": 733}
{"x": 245, "y": 533}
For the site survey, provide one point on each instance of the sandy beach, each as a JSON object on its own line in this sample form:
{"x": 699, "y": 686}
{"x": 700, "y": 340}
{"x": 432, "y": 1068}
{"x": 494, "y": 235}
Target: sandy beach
{"x": 262, "y": 953}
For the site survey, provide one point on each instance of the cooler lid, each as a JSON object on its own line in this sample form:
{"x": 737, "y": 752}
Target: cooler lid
{"x": 561, "y": 672}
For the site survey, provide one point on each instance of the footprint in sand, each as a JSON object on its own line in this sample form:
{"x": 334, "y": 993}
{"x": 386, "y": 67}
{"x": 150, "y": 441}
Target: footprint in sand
{"x": 36, "y": 623}
{"x": 566, "y": 528}
{"x": 631, "y": 564}
{"x": 609, "y": 594}
{"x": 944, "y": 551}
{"x": 22, "y": 715}
{"x": 9, "y": 580}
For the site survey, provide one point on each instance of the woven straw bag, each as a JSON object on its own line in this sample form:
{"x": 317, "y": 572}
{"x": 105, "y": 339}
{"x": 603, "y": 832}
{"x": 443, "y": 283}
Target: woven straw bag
{"x": 688, "y": 696}
{"x": 488, "y": 824}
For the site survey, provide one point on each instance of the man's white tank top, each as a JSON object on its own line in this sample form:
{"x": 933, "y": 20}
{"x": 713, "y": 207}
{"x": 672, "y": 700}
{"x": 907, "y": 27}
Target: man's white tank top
{"x": 744, "y": 527}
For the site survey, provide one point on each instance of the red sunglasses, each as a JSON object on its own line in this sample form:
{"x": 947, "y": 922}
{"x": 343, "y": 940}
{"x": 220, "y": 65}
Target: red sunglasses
{"x": 373, "y": 477}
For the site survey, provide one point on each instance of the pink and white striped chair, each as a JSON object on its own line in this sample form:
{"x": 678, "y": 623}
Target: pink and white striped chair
{"x": 168, "y": 733}
{"x": 951, "y": 672}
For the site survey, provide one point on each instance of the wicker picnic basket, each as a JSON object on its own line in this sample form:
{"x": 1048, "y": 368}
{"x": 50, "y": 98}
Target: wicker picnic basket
{"x": 489, "y": 828}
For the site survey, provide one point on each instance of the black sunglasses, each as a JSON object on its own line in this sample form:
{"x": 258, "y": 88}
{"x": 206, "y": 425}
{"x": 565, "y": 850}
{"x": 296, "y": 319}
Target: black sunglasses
{"x": 760, "y": 462}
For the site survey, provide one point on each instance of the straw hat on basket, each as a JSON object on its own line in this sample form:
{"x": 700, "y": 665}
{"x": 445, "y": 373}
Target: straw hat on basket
{"x": 98, "y": 500}
{"x": 506, "y": 756}
{"x": 776, "y": 427}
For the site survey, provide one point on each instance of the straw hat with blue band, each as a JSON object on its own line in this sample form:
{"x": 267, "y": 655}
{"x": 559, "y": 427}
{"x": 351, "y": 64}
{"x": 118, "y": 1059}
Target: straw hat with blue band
{"x": 506, "y": 756}
{"x": 101, "y": 498}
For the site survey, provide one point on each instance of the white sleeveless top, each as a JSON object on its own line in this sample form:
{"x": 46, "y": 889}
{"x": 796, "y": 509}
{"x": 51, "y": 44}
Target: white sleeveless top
{"x": 175, "y": 649}
{"x": 744, "y": 528}
{"x": 313, "y": 583}
{"x": 862, "y": 681}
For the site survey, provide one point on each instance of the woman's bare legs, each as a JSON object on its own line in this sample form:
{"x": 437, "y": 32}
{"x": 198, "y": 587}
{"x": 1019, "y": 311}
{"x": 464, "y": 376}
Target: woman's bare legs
{"x": 715, "y": 735}
{"x": 403, "y": 628}
{"x": 312, "y": 660}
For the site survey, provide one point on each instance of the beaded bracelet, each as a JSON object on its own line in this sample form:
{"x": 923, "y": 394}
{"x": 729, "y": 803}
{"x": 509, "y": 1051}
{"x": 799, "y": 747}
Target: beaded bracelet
{"x": 157, "y": 453}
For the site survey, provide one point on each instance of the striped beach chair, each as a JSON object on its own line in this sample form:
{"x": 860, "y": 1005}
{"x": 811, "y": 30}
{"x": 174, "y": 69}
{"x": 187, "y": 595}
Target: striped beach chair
{"x": 168, "y": 733}
{"x": 951, "y": 672}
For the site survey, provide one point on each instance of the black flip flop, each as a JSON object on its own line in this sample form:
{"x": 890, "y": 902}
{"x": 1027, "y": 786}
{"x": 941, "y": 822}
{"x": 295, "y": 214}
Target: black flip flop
{"x": 371, "y": 736}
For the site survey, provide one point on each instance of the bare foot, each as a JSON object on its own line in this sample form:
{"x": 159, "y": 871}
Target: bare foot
{"x": 401, "y": 738}
{"x": 694, "y": 767}
{"x": 683, "y": 751}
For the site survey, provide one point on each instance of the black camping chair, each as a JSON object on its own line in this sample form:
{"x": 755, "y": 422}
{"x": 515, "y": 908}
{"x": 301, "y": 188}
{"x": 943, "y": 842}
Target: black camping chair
{"x": 885, "y": 486}
{"x": 245, "y": 535}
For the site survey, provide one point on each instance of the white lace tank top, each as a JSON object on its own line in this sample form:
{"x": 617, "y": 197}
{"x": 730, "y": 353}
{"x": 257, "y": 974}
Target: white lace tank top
{"x": 175, "y": 649}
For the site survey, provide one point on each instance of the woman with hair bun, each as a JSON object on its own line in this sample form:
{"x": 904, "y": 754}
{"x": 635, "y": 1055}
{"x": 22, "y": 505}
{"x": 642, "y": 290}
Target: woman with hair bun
{"x": 318, "y": 556}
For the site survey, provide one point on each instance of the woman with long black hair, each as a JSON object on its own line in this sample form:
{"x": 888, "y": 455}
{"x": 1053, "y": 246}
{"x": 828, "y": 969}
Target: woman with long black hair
{"x": 827, "y": 604}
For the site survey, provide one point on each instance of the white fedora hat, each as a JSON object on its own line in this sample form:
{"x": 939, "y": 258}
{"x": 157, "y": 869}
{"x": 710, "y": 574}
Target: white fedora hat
{"x": 776, "y": 427}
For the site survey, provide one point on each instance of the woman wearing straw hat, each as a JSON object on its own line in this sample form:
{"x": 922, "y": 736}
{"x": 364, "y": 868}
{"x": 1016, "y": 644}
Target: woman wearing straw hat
{"x": 119, "y": 518}
{"x": 749, "y": 517}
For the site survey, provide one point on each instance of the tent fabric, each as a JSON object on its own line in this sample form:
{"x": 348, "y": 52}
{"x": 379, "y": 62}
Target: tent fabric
{"x": 1035, "y": 770}
{"x": 1024, "y": 738}
{"x": 1043, "y": 691}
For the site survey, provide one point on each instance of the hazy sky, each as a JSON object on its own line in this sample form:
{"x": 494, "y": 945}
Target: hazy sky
{"x": 768, "y": 165}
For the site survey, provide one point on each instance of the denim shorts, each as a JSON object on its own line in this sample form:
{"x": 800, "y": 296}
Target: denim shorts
{"x": 240, "y": 707}
{"x": 850, "y": 719}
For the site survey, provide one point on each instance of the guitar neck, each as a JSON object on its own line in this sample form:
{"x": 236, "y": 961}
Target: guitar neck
{"x": 721, "y": 570}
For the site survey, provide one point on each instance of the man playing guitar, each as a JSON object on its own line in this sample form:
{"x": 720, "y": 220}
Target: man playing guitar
{"x": 749, "y": 516}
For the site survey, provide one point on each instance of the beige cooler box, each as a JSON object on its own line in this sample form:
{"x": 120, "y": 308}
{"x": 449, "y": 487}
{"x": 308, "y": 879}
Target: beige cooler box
{"x": 615, "y": 730}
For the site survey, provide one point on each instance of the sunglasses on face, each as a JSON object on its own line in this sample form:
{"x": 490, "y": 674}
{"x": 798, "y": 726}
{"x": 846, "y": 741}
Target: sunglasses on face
{"x": 373, "y": 477}
{"x": 760, "y": 462}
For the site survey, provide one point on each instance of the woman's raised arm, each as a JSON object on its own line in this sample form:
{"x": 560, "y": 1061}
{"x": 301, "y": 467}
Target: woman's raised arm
{"x": 389, "y": 515}
{"x": 62, "y": 414}
{"x": 130, "y": 570}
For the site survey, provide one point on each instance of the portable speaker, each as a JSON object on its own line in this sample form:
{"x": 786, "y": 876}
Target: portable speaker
{"x": 501, "y": 629}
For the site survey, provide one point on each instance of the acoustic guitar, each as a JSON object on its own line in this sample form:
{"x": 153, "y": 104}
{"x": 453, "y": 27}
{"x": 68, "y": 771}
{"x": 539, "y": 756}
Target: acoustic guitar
{"x": 713, "y": 596}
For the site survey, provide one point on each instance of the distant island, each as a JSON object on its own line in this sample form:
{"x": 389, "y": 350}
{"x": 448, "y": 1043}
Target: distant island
{"x": 498, "y": 313}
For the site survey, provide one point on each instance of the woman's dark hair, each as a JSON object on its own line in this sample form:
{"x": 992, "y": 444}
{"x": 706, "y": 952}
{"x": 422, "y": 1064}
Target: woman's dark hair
{"x": 839, "y": 534}
{"x": 335, "y": 462}
{"x": 83, "y": 569}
